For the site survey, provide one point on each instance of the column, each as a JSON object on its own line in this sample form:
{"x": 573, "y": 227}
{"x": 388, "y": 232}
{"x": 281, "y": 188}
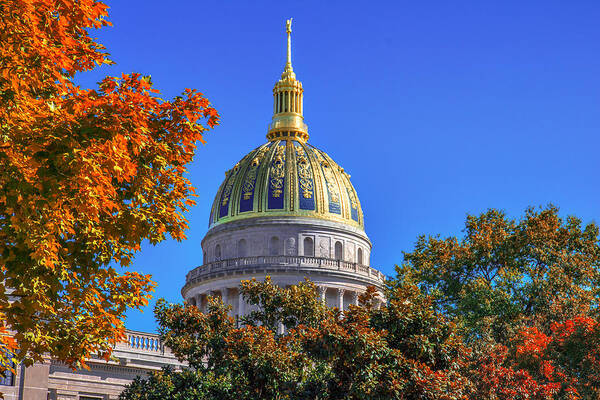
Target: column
{"x": 340, "y": 293}
{"x": 322, "y": 291}
{"x": 278, "y": 102}
{"x": 293, "y": 101}
{"x": 224, "y": 296}
{"x": 241, "y": 304}
{"x": 355, "y": 298}
{"x": 199, "y": 301}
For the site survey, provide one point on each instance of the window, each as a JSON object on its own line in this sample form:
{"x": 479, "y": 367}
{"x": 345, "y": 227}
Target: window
{"x": 89, "y": 398}
{"x": 338, "y": 251}
{"x": 360, "y": 256}
{"x": 309, "y": 247}
{"x": 218, "y": 252}
{"x": 204, "y": 260}
{"x": 242, "y": 248}
{"x": 274, "y": 246}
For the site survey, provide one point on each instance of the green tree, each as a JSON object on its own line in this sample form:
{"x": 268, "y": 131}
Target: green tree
{"x": 402, "y": 351}
{"x": 505, "y": 274}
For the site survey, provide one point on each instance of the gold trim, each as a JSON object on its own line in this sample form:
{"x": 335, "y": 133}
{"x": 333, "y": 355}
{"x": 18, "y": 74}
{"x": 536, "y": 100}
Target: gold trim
{"x": 286, "y": 213}
{"x": 305, "y": 178}
{"x": 250, "y": 177}
{"x": 285, "y": 134}
{"x": 291, "y": 174}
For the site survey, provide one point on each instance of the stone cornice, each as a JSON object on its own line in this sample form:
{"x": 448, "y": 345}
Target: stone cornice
{"x": 310, "y": 224}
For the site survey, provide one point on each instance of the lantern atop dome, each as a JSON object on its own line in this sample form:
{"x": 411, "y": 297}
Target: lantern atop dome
{"x": 288, "y": 119}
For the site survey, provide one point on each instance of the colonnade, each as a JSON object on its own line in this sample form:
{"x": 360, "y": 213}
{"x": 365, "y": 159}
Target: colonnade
{"x": 233, "y": 297}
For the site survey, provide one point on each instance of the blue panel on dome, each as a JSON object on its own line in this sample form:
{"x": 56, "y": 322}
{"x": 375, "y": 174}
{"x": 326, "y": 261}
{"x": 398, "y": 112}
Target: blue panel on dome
{"x": 225, "y": 196}
{"x": 277, "y": 178}
{"x": 305, "y": 180}
{"x": 306, "y": 204}
{"x": 247, "y": 200}
{"x": 354, "y": 214}
{"x": 353, "y": 204}
{"x": 335, "y": 208}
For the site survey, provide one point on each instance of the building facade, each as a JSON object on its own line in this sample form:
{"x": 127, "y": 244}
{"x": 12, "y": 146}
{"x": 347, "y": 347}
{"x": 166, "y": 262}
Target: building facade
{"x": 285, "y": 210}
{"x": 138, "y": 355}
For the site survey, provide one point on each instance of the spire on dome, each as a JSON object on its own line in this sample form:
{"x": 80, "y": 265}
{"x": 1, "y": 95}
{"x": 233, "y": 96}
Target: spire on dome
{"x": 288, "y": 64}
{"x": 288, "y": 122}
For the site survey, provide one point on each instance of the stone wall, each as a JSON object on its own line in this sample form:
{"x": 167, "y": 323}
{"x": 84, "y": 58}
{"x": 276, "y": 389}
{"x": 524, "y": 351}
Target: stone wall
{"x": 285, "y": 236}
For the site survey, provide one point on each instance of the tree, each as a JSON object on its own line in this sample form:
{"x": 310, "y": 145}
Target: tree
{"x": 402, "y": 351}
{"x": 505, "y": 274}
{"x": 562, "y": 365}
{"x": 85, "y": 176}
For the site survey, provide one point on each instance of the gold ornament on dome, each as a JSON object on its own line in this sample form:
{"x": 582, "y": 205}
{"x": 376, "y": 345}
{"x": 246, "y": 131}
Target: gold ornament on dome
{"x": 329, "y": 178}
{"x": 304, "y": 172}
{"x": 230, "y": 180}
{"x": 248, "y": 186}
{"x": 277, "y": 171}
{"x": 350, "y": 189}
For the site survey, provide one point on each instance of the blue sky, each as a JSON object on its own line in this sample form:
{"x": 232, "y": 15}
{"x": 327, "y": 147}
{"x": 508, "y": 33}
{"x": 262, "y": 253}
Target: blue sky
{"x": 437, "y": 109}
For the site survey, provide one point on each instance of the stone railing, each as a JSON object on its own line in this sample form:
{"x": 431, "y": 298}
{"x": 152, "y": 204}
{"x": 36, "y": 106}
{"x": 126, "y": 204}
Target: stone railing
{"x": 284, "y": 261}
{"x": 143, "y": 342}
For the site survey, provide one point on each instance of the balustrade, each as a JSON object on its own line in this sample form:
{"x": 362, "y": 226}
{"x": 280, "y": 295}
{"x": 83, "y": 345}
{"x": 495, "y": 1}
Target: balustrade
{"x": 143, "y": 342}
{"x": 288, "y": 261}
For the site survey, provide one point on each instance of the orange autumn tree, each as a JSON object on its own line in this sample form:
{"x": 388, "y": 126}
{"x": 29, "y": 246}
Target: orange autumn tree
{"x": 85, "y": 176}
{"x": 563, "y": 365}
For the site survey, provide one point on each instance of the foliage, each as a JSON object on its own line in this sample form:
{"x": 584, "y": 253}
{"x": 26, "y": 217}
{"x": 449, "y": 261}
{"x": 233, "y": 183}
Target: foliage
{"x": 404, "y": 351}
{"x": 505, "y": 274}
{"x": 562, "y": 365}
{"x": 85, "y": 177}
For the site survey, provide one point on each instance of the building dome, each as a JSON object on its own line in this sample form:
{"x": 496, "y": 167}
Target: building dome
{"x": 288, "y": 211}
{"x": 287, "y": 177}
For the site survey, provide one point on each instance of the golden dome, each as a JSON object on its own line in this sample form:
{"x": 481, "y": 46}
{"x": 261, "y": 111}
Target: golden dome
{"x": 287, "y": 177}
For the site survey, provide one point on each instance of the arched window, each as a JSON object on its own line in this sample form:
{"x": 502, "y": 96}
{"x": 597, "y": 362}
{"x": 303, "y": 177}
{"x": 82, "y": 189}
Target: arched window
{"x": 338, "y": 251}
{"x": 242, "y": 248}
{"x": 217, "y": 252}
{"x": 274, "y": 246}
{"x": 359, "y": 256}
{"x": 204, "y": 260}
{"x": 309, "y": 247}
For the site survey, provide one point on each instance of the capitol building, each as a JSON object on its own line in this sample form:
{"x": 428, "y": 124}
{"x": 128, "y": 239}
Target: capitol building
{"x": 285, "y": 210}
{"x": 288, "y": 211}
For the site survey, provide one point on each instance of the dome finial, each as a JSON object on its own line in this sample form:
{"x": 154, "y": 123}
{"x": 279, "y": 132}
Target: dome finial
{"x": 288, "y": 29}
{"x": 288, "y": 122}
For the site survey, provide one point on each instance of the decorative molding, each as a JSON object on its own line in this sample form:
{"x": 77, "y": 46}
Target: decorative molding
{"x": 290, "y": 247}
